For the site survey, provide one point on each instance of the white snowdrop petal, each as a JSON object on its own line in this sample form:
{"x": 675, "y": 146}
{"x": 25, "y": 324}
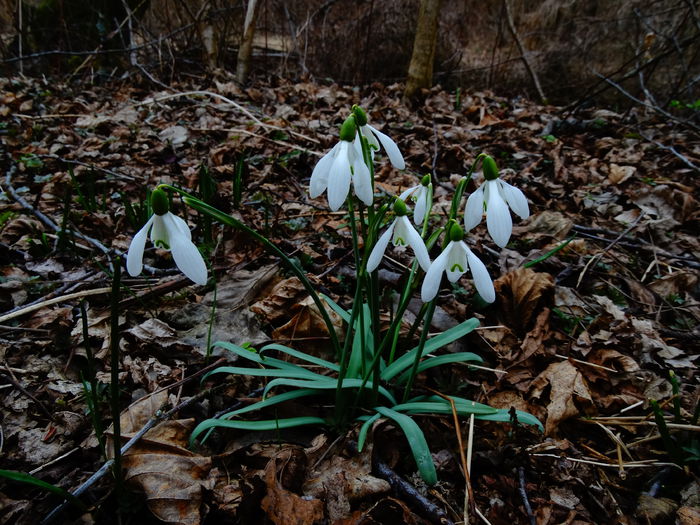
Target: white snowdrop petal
{"x": 456, "y": 264}
{"x": 498, "y": 219}
{"x": 474, "y": 209}
{"x": 182, "y": 226}
{"x": 375, "y": 257}
{"x": 319, "y": 177}
{"x": 516, "y": 200}
{"x": 371, "y": 139}
{"x": 134, "y": 257}
{"x": 431, "y": 281}
{"x": 415, "y": 241}
{"x": 362, "y": 181}
{"x": 392, "y": 150}
{"x": 421, "y": 206}
{"x": 482, "y": 279}
{"x": 185, "y": 253}
{"x": 339, "y": 178}
{"x": 407, "y": 193}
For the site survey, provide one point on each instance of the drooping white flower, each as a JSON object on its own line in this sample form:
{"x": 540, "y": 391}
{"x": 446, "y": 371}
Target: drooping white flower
{"x": 420, "y": 194}
{"x": 338, "y": 167}
{"x": 401, "y": 233}
{"x": 495, "y": 195}
{"x": 170, "y": 232}
{"x": 455, "y": 260}
{"x": 375, "y": 138}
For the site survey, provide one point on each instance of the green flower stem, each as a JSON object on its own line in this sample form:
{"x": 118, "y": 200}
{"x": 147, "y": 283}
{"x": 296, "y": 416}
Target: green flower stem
{"x": 92, "y": 396}
{"x": 419, "y": 354}
{"x": 228, "y": 220}
{"x": 360, "y": 270}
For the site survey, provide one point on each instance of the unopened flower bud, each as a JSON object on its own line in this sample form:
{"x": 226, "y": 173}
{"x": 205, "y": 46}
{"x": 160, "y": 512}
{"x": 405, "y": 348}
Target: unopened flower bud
{"x": 349, "y": 129}
{"x": 456, "y": 233}
{"x": 489, "y": 168}
{"x": 159, "y": 202}
{"x": 360, "y": 115}
{"x": 400, "y": 208}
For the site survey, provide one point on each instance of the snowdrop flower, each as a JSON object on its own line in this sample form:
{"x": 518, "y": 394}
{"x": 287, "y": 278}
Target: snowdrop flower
{"x": 421, "y": 196}
{"x": 495, "y": 195}
{"x": 401, "y": 232}
{"x": 375, "y": 138}
{"x": 171, "y": 233}
{"x": 455, "y": 260}
{"x": 340, "y": 165}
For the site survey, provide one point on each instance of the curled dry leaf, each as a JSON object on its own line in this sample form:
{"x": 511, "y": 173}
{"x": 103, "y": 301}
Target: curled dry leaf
{"x": 284, "y": 507}
{"x": 567, "y": 387}
{"x": 340, "y": 481}
{"x": 170, "y": 476}
{"x": 522, "y": 294}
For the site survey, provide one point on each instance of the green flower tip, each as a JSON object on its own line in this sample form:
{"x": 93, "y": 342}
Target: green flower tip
{"x": 425, "y": 181}
{"x": 489, "y": 167}
{"x": 456, "y": 232}
{"x": 159, "y": 202}
{"x": 360, "y": 115}
{"x": 348, "y": 129}
{"x": 400, "y": 208}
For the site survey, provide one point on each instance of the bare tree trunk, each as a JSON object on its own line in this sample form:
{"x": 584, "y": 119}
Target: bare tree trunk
{"x": 420, "y": 71}
{"x": 246, "y": 48}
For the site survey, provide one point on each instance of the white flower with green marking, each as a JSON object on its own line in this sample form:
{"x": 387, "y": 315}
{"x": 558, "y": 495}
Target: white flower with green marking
{"x": 455, "y": 260}
{"x": 401, "y": 233}
{"x": 375, "y": 138}
{"x": 421, "y": 195}
{"x": 495, "y": 196}
{"x": 338, "y": 167}
{"x": 169, "y": 232}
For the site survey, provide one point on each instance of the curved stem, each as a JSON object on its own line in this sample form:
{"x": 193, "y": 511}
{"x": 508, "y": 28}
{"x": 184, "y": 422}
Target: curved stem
{"x": 228, "y": 220}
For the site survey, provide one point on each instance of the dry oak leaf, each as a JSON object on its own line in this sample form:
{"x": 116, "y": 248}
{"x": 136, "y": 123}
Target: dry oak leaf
{"x": 567, "y": 386}
{"x": 286, "y": 508}
{"x": 522, "y": 294}
{"x": 171, "y": 477}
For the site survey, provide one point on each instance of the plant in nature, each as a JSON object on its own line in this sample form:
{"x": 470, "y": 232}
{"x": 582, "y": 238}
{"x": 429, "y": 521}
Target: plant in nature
{"x": 681, "y": 443}
{"x": 169, "y": 232}
{"x": 495, "y": 196}
{"x": 374, "y": 371}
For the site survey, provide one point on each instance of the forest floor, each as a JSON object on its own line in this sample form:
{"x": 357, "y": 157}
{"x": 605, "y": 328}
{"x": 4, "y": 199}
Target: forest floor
{"x": 583, "y": 339}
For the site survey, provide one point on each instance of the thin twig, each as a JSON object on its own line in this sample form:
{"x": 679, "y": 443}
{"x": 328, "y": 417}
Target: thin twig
{"x": 49, "y": 302}
{"x": 523, "y": 495}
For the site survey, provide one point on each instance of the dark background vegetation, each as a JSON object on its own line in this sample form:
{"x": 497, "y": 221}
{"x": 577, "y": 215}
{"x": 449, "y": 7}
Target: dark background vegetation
{"x": 648, "y": 48}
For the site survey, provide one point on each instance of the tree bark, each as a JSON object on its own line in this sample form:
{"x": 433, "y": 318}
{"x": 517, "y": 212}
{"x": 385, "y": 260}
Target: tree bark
{"x": 246, "y": 48}
{"x": 420, "y": 71}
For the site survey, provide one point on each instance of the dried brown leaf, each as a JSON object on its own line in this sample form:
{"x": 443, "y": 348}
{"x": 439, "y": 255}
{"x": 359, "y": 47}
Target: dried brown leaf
{"x": 567, "y": 386}
{"x": 286, "y": 508}
{"x": 521, "y": 295}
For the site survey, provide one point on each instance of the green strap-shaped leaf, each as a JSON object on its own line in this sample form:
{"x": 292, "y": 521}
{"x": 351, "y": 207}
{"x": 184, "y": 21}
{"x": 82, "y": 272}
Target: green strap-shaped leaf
{"x": 262, "y": 360}
{"x": 503, "y": 415}
{"x": 301, "y": 355}
{"x": 416, "y": 440}
{"x": 329, "y": 384}
{"x": 431, "y": 362}
{"x": 356, "y": 357}
{"x": 362, "y": 437}
{"x": 264, "y": 372}
{"x": 432, "y": 344}
{"x": 21, "y": 477}
{"x": 344, "y": 314}
{"x": 270, "y": 401}
{"x": 444, "y": 407}
{"x": 267, "y": 424}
